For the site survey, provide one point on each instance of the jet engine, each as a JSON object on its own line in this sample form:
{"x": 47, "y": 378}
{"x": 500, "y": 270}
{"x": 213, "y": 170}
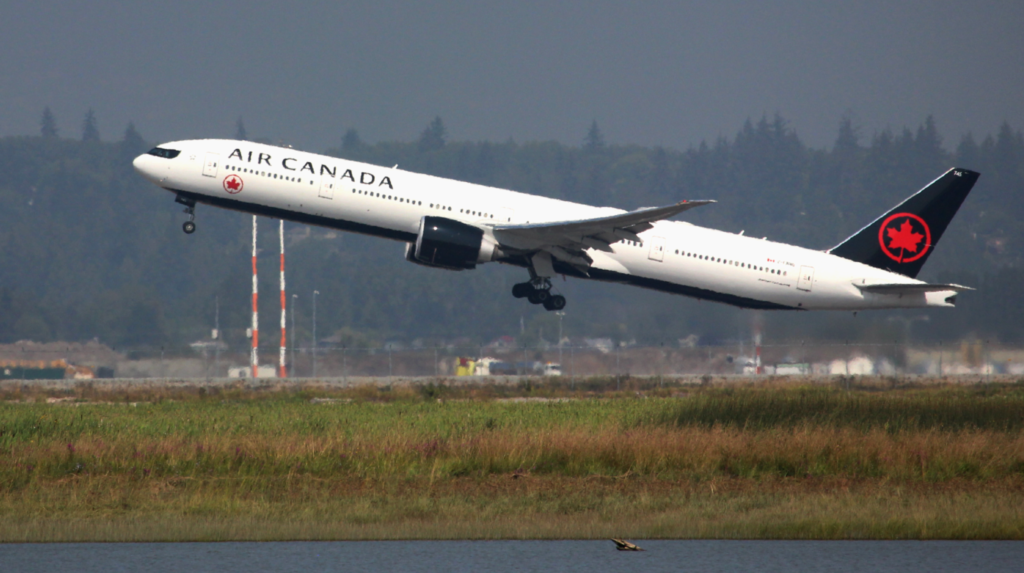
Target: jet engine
{"x": 449, "y": 244}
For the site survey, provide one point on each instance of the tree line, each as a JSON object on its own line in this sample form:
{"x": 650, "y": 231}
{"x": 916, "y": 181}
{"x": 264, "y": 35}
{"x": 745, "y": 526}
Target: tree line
{"x": 91, "y": 250}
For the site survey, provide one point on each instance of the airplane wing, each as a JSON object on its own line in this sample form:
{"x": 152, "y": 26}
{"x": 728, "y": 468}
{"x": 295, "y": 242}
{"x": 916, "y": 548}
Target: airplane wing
{"x": 910, "y": 288}
{"x": 567, "y": 240}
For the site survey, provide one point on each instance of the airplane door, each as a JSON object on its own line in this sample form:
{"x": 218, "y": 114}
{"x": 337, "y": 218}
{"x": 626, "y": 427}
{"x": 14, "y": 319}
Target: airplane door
{"x": 806, "y": 278}
{"x": 657, "y": 252}
{"x": 211, "y": 163}
{"x": 327, "y": 187}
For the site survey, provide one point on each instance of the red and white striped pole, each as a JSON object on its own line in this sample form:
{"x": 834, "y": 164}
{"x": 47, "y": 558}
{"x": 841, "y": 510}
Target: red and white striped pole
{"x": 255, "y": 309}
{"x": 283, "y": 368}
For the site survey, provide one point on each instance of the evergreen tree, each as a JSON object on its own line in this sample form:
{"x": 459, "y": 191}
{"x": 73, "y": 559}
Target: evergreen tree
{"x": 48, "y": 124}
{"x": 433, "y": 137}
{"x": 594, "y": 141}
{"x": 1009, "y": 150}
{"x": 661, "y": 177}
{"x": 240, "y": 133}
{"x": 848, "y": 140}
{"x": 967, "y": 153}
{"x": 89, "y": 130}
{"x": 350, "y": 141}
{"x": 929, "y": 154}
{"x": 132, "y": 138}
{"x": 132, "y": 143}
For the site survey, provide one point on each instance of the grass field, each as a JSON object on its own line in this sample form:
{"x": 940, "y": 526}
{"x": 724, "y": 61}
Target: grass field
{"x": 538, "y": 460}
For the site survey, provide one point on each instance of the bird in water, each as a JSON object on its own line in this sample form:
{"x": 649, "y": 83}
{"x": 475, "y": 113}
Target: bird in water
{"x": 623, "y": 545}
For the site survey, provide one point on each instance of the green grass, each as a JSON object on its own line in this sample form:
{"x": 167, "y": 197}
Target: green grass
{"x": 949, "y": 409}
{"x": 763, "y": 461}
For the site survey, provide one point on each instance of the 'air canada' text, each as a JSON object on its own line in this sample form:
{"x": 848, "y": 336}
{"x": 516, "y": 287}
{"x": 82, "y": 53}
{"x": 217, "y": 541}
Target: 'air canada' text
{"x": 293, "y": 164}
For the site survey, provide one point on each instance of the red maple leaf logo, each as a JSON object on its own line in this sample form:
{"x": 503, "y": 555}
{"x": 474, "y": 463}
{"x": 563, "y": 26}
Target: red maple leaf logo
{"x": 904, "y": 238}
{"x": 232, "y": 184}
{"x": 906, "y": 244}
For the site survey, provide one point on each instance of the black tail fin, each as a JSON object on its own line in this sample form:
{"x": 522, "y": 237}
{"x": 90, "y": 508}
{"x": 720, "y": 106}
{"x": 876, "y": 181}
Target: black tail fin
{"x": 902, "y": 240}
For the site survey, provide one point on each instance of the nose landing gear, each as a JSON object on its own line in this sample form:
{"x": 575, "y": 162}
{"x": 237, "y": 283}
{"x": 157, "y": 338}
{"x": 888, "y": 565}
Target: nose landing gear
{"x": 190, "y": 209}
{"x": 538, "y": 291}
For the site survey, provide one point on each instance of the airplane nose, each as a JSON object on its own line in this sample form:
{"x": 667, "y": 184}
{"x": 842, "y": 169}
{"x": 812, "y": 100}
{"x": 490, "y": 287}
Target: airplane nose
{"x": 143, "y": 164}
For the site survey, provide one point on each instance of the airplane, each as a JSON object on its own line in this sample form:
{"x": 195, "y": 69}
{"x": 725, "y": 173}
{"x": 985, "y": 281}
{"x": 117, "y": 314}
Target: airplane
{"x": 454, "y": 225}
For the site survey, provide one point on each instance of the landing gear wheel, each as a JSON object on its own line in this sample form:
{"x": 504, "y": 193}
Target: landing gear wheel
{"x": 555, "y": 302}
{"x": 539, "y": 296}
{"x": 522, "y": 290}
{"x": 190, "y": 209}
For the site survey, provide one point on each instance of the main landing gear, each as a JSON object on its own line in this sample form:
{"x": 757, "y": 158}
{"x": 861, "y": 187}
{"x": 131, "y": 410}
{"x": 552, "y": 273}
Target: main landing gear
{"x": 538, "y": 291}
{"x": 190, "y": 208}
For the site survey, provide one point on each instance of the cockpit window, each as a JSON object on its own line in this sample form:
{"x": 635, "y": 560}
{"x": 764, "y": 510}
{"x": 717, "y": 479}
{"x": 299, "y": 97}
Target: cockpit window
{"x": 165, "y": 153}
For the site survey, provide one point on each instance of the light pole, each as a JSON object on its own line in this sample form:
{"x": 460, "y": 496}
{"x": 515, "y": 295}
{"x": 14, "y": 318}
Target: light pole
{"x": 560, "y": 315}
{"x": 315, "y": 293}
{"x": 216, "y": 334}
{"x": 294, "y": 296}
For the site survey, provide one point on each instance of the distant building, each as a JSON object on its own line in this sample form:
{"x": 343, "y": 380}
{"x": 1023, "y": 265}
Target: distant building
{"x": 857, "y": 366}
{"x": 264, "y": 371}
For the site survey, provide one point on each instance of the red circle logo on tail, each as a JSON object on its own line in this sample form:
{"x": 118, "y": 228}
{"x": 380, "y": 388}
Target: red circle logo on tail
{"x": 904, "y": 237}
{"x": 233, "y": 184}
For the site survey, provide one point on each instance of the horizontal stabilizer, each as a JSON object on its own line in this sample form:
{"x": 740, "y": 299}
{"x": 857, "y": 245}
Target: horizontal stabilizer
{"x": 910, "y": 288}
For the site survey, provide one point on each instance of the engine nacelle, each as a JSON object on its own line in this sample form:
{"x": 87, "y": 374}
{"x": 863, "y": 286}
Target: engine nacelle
{"x": 450, "y": 244}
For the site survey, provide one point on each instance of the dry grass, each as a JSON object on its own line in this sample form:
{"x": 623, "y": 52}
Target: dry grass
{"x": 528, "y": 508}
{"x": 917, "y": 463}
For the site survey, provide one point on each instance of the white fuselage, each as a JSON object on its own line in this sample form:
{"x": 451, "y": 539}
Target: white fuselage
{"x": 389, "y": 202}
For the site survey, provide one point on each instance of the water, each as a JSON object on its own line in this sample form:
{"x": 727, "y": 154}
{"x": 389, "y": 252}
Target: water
{"x": 457, "y": 556}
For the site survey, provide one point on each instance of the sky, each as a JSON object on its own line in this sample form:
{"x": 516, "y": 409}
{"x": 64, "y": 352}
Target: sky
{"x": 650, "y": 73}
